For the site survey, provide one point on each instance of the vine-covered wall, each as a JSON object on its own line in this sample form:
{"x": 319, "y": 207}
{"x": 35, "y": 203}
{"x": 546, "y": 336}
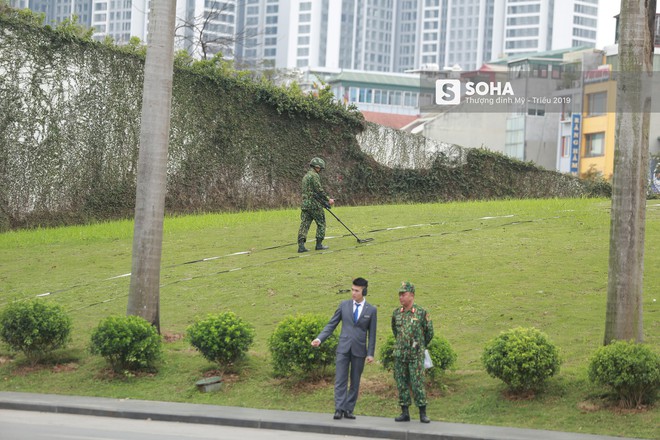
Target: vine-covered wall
{"x": 69, "y": 135}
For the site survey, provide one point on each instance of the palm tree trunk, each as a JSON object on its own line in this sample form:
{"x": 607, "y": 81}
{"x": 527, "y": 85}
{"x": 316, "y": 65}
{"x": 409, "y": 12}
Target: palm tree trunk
{"x": 623, "y": 319}
{"x": 144, "y": 293}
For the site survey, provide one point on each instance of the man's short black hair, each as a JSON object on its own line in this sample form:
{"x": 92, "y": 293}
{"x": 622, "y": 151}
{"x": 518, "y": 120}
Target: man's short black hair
{"x": 359, "y": 281}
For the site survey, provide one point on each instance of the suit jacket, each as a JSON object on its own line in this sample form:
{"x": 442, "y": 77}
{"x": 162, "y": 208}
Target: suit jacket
{"x": 353, "y": 336}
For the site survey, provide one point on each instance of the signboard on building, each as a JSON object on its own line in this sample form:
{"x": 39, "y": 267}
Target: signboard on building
{"x": 602, "y": 73}
{"x": 576, "y": 137}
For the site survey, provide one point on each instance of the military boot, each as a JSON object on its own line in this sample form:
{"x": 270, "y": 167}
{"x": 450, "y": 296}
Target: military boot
{"x": 404, "y": 416}
{"x": 422, "y": 415}
{"x": 319, "y": 245}
{"x": 301, "y": 246}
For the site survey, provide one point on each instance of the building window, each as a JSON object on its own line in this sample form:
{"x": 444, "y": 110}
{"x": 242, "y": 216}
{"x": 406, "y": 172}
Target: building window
{"x": 597, "y": 103}
{"x": 565, "y": 146}
{"x": 566, "y": 108}
{"x": 394, "y": 98}
{"x": 410, "y": 99}
{"x": 365, "y": 96}
{"x": 536, "y": 111}
{"x": 595, "y": 144}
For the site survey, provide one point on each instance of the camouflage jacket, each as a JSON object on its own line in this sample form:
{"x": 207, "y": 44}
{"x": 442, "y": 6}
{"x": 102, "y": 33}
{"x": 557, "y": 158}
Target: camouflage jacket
{"x": 311, "y": 186}
{"x": 413, "y": 331}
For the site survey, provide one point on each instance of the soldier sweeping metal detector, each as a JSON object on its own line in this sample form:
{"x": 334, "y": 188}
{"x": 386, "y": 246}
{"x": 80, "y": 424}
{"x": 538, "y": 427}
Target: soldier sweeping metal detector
{"x": 327, "y": 208}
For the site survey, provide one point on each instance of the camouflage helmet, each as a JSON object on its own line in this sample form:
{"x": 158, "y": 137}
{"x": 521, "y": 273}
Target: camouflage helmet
{"x": 317, "y": 162}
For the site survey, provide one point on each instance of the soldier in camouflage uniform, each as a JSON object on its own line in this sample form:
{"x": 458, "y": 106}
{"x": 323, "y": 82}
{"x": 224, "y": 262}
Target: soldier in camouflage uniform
{"x": 413, "y": 331}
{"x": 312, "y": 209}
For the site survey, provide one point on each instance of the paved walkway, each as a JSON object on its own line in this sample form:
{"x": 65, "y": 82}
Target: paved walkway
{"x": 363, "y": 426}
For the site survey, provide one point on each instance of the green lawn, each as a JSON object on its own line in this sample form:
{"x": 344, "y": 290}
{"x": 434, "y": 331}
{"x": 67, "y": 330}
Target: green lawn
{"x": 479, "y": 267}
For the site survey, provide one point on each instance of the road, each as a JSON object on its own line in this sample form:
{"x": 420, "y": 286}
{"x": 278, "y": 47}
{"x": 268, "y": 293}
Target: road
{"x": 28, "y": 425}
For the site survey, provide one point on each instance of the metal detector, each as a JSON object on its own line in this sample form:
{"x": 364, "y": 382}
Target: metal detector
{"x": 360, "y": 240}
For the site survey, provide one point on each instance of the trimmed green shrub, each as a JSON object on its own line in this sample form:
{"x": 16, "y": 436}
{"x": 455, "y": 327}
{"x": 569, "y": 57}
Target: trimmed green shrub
{"x": 35, "y": 328}
{"x": 291, "y": 349}
{"x": 223, "y": 338}
{"x": 523, "y": 358}
{"x": 386, "y": 353}
{"x": 128, "y": 343}
{"x": 442, "y": 355}
{"x": 631, "y": 370}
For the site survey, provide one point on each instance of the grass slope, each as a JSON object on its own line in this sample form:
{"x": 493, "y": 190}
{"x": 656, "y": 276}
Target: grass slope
{"x": 480, "y": 267}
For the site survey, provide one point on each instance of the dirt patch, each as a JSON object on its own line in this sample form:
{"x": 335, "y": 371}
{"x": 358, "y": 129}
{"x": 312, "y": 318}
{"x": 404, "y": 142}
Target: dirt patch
{"x": 63, "y": 368}
{"x": 172, "y": 337}
{"x": 588, "y": 406}
{"x": 379, "y": 386}
{"x": 227, "y": 377}
{"x": 613, "y": 406}
{"x": 24, "y": 370}
{"x": 110, "y": 374}
{"x": 638, "y": 410}
{"x": 514, "y": 397}
{"x": 302, "y": 386}
{"x": 313, "y": 385}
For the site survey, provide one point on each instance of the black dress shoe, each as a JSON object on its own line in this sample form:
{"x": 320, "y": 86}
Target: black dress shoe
{"x": 338, "y": 414}
{"x": 349, "y": 415}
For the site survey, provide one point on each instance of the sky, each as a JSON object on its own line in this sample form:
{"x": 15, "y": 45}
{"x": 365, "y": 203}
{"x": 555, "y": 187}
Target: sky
{"x": 607, "y": 9}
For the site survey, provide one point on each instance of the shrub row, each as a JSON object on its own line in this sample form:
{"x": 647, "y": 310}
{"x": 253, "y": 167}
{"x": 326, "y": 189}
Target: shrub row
{"x": 523, "y": 358}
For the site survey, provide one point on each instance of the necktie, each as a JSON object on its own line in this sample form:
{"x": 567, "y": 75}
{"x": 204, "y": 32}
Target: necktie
{"x": 356, "y": 313}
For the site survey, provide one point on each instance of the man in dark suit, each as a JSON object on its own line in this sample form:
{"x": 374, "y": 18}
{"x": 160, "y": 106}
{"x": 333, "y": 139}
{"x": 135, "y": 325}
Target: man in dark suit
{"x": 358, "y": 323}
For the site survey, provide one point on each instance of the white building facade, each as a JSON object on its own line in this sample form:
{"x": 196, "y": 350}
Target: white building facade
{"x": 56, "y": 11}
{"x": 206, "y": 27}
{"x": 528, "y": 26}
{"x": 120, "y": 19}
{"x": 369, "y": 35}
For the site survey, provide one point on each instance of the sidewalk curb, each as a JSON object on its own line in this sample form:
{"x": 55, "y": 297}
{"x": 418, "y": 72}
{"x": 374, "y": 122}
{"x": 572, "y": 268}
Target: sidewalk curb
{"x": 363, "y": 426}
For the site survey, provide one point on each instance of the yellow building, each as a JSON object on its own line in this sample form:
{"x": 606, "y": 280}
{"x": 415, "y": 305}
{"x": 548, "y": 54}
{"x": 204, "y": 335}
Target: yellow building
{"x": 598, "y": 124}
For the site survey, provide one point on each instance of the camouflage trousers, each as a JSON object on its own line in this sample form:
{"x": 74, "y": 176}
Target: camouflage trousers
{"x": 306, "y": 218}
{"x": 409, "y": 377}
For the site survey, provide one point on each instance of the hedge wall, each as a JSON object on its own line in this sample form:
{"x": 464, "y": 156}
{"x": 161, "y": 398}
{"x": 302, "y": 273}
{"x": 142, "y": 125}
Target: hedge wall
{"x": 69, "y": 132}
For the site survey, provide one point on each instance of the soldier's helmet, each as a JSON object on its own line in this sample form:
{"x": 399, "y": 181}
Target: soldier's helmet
{"x": 317, "y": 162}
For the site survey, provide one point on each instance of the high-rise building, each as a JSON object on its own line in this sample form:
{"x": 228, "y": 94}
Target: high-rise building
{"x": 120, "y": 19}
{"x": 371, "y": 35}
{"x": 400, "y": 35}
{"x": 206, "y": 27}
{"x": 56, "y": 11}
{"x": 576, "y": 23}
{"x": 19, "y": 4}
{"x": 203, "y": 27}
{"x": 466, "y": 33}
{"x": 528, "y": 26}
